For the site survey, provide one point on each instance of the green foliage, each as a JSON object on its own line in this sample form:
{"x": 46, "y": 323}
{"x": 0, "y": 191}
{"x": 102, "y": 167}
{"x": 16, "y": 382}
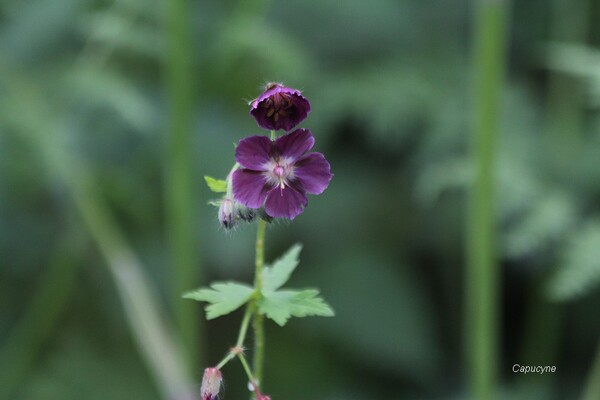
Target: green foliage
{"x": 278, "y": 305}
{"x": 216, "y": 185}
{"x": 283, "y": 304}
{"x": 579, "y": 271}
{"x": 223, "y": 297}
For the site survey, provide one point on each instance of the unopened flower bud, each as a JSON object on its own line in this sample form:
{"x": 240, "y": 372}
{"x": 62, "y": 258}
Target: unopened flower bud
{"x": 245, "y": 213}
{"x": 211, "y": 384}
{"x": 227, "y": 213}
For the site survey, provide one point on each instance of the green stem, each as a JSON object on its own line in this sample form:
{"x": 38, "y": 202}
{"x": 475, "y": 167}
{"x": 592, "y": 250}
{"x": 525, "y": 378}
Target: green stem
{"x": 592, "y": 389}
{"x": 240, "y": 340}
{"x": 258, "y": 319}
{"x": 482, "y": 278}
{"x": 251, "y": 377}
{"x": 181, "y": 218}
{"x": 244, "y": 327}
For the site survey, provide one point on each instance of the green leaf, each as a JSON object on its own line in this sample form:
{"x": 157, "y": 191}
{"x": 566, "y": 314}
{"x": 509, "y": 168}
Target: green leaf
{"x": 278, "y": 274}
{"x": 224, "y": 297}
{"x": 216, "y": 185}
{"x": 282, "y": 305}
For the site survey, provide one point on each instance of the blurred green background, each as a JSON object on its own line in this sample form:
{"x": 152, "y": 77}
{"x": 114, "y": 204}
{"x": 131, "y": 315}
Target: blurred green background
{"x": 111, "y": 113}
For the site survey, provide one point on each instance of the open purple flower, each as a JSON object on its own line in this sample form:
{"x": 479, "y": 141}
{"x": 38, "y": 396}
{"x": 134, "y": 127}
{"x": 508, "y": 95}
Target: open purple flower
{"x": 279, "y": 107}
{"x": 278, "y": 174}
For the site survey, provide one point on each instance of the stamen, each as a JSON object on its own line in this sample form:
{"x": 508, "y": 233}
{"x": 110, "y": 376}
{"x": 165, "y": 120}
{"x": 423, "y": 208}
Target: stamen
{"x": 270, "y": 112}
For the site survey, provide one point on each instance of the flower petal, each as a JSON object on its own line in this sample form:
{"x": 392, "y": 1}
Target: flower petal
{"x": 250, "y": 187}
{"x": 285, "y": 203}
{"x": 253, "y": 152}
{"x": 295, "y": 144}
{"x": 313, "y": 173}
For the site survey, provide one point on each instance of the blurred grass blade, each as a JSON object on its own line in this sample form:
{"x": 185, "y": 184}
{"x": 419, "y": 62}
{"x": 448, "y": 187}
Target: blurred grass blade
{"x": 180, "y": 203}
{"x": 482, "y": 280}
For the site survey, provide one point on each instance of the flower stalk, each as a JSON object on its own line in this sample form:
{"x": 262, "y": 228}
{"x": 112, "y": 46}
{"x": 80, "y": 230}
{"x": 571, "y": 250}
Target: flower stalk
{"x": 258, "y": 321}
{"x": 482, "y": 273}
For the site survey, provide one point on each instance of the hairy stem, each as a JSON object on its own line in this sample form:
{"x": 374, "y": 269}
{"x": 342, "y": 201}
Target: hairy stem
{"x": 482, "y": 277}
{"x": 258, "y": 319}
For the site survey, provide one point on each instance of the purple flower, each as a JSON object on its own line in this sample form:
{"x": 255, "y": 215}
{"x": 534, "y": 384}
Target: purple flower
{"x": 279, "y": 107}
{"x": 278, "y": 173}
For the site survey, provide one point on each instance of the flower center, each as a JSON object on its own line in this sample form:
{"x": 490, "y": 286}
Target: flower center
{"x": 280, "y": 172}
{"x": 278, "y": 105}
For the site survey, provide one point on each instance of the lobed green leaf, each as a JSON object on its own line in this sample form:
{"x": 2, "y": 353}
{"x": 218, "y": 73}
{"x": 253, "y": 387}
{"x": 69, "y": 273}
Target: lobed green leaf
{"x": 279, "y": 273}
{"x": 216, "y": 185}
{"x": 225, "y": 297}
{"x": 280, "y": 306}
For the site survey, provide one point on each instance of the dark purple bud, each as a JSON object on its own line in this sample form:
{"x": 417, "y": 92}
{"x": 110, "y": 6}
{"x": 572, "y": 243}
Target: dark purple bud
{"x": 211, "y": 384}
{"x": 279, "y": 107}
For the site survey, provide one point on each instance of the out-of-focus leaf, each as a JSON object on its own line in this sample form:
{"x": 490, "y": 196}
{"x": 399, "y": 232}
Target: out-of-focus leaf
{"x": 579, "y": 270}
{"x": 548, "y": 220}
{"x": 579, "y": 61}
{"x": 223, "y": 297}
{"x": 120, "y": 31}
{"x": 101, "y": 87}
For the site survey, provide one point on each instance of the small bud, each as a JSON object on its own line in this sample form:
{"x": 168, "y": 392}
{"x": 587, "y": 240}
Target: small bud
{"x": 264, "y": 216}
{"x": 227, "y": 213}
{"x": 211, "y": 383}
{"x": 245, "y": 213}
